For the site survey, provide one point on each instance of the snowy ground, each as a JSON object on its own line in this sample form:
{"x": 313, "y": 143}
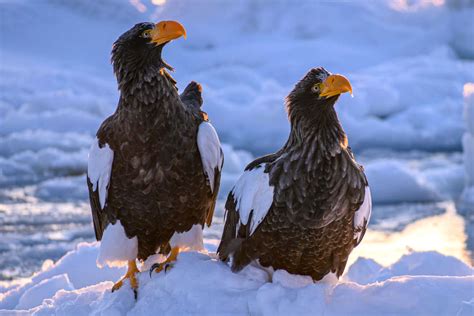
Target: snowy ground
{"x": 425, "y": 283}
{"x": 408, "y": 62}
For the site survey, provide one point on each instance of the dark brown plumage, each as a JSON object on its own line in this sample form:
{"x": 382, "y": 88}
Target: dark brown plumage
{"x": 317, "y": 187}
{"x": 158, "y": 184}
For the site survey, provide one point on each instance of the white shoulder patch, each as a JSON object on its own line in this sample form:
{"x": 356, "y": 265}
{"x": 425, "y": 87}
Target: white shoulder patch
{"x": 210, "y": 150}
{"x": 253, "y": 192}
{"x": 115, "y": 247}
{"x": 362, "y": 215}
{"x": 99, "y": 168}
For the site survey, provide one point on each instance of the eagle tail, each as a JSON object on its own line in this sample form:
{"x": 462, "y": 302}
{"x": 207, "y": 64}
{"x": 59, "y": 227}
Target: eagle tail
{"x": 192, "y": 95}
{"x": 230, "y": 248}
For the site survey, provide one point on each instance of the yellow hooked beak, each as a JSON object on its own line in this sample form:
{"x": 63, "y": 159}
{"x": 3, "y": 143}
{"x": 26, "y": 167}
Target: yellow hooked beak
{"x": 166, "y": 31}
{"x": 334, "y": 85}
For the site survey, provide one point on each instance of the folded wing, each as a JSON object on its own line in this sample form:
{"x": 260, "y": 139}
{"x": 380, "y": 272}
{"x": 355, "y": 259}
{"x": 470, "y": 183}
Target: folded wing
{"x": 99, "y": 170}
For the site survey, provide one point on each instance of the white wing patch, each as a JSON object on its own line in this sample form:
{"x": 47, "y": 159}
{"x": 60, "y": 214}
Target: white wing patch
{"x": 253, "y": 192}
{"x": 99, "y": 168}
{"x": 210, "y": 150}
{"x": 362, "y": 215}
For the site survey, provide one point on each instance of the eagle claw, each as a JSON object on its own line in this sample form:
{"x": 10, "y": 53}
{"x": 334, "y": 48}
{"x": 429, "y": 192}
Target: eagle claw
{"x": 158, "y": 267}
{"x": 153, "y": 267}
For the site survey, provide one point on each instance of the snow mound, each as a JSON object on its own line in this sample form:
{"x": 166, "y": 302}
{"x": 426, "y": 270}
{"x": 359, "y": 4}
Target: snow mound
{"x": 418, "y": 284}
{"x": 393, "y": 182}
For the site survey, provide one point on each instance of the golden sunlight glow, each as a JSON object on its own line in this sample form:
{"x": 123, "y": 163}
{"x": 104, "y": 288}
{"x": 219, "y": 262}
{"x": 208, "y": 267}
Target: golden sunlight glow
{"x": 410, "y": 5}
{"x": 468, "y": 89}
{"x": 443, "y": 233}
{"x": 158, "y": 2}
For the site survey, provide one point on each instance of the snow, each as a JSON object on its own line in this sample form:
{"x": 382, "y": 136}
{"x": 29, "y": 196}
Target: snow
{"x": 47, "y": 288}
{"x": 467, "y": 197}
{"x": 210, "y": 150}
{"x": 62, "y": 189}
{"x": 244, "y": 92}
{"x": 99, "y": 169}
{"x": 366, "y": 271}
{"x": 253, "y": 195}
{"x": 407, "y": 79}
{"x": 463, "y": 27}
{"x": 115, "y": 247}
{"x": 404, "y": 125}
{"x": 424, "y": 283}
{"x": 401, "y": 184}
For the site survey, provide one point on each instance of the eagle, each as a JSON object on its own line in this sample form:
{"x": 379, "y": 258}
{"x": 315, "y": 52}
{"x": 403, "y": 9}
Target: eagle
{"x": 154, "y": 169}
{"x": 305, "y": 207}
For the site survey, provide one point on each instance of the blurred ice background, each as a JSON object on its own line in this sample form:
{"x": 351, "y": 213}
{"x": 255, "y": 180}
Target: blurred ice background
{"x": 410, "y": 62}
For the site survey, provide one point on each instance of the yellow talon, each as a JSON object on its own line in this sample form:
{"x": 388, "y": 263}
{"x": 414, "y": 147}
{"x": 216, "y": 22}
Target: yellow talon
{"x": 131, "y": 275}
{"x": 168, "y": 263}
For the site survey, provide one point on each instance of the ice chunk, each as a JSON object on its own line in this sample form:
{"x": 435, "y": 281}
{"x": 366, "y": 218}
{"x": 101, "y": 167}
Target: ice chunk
{"x": 35, "y": 295}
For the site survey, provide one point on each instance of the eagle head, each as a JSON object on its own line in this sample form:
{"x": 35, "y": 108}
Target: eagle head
{"x": 316, "y": 91}
{"x": 139, "y": 49}
{"x": 319, "y": 86}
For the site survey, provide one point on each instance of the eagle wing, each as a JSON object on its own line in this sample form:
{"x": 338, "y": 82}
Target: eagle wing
{"x": 247, "y": 206}
{"x": 212, "y": 159}
{"x": 362, "y": 217}
{"x": 252, "y": 197}
{"x": 99, "y": 170}
{"x": 208, "y": 142}
{"x": 347, "y": 186}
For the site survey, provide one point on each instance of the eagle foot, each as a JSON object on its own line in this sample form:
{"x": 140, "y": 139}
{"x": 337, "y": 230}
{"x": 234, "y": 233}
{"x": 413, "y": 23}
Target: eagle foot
{"x": 130, "y": 275}
{"x": 167, "y": 264}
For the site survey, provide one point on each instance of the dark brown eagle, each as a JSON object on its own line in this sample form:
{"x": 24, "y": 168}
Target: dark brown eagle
{"x": 305, "y": 207}
{"x": 154, "y": 170}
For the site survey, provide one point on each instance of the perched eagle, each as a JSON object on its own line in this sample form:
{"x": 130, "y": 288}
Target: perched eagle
{"x": 305, "y": 207}
{"x": 154, "y": 169}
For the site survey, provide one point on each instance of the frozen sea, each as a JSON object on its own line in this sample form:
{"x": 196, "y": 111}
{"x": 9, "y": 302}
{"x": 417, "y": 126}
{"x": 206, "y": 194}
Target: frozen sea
{"x": 38, "y": 225}
{"x": 408, "y": 62}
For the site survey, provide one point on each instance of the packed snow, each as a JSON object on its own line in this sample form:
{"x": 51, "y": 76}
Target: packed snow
{"x": 426, "y": 283}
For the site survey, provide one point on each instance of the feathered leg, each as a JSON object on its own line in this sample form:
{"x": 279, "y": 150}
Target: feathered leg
{"x": 131, "y": 275}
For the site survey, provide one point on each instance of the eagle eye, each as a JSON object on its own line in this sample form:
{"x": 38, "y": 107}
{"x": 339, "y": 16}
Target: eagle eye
{"x": 317, "y": 87}
{"x": 146, "y": 34}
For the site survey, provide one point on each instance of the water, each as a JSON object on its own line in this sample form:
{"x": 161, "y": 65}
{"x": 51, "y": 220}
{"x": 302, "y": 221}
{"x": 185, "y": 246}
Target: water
{"x": 33, "y": 231}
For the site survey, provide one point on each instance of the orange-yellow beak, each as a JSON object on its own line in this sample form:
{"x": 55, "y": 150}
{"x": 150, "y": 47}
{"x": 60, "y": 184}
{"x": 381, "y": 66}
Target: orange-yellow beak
{"x": 334, "y": 85}
{"x": 166, "y": 31}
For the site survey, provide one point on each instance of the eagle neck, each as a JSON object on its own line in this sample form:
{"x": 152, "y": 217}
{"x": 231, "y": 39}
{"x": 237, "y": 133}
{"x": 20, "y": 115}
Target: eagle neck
{"x": 315, "y": 130}
{"x": 151, "y": 94}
